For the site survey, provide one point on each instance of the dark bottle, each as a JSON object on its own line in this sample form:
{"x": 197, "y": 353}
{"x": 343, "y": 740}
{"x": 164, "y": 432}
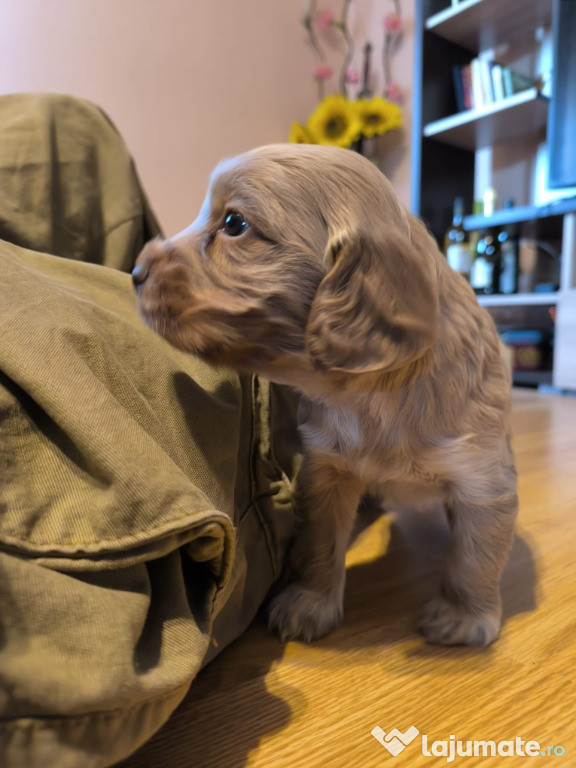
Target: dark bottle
{"x": 508, "y": 239}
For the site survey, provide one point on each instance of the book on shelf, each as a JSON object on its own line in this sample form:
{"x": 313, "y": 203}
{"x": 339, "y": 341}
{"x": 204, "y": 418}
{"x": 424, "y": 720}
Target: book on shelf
{"x": 498, "y": 82}
{"x": 482, "y": 83}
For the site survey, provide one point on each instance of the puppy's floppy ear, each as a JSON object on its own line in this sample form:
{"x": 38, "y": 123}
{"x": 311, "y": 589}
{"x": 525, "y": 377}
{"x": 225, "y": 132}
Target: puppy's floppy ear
{"x": 377, "y": 308}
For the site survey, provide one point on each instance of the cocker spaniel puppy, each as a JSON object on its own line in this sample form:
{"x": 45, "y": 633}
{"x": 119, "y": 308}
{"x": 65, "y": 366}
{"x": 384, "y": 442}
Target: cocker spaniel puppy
{"x": 303, "y": 267}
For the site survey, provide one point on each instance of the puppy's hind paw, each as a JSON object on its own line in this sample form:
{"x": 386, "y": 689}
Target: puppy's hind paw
{"x": 298, "y": 613}
{"x": 448, "y": 624}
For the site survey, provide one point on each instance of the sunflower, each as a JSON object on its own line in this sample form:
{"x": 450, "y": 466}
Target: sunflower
{"x": 299, "y": 135}
{"x": 334, "y": 122}
{"x": 378, "y": 115}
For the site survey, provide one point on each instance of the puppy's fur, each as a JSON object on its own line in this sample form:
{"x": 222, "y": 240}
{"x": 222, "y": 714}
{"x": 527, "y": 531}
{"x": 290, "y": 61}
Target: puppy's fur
{"x": 336, "y": 290}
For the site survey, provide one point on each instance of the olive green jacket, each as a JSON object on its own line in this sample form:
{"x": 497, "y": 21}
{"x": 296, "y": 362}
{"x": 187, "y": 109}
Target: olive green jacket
{"x": 145, "y": 498}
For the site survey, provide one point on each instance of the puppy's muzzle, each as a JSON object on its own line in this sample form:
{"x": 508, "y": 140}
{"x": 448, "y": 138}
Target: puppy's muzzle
{"x": 154, "y": 253}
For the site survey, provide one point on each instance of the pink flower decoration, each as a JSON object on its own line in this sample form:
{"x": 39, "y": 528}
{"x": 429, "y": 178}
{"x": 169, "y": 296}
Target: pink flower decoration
{"x": 325, "y": 20}
{"x": 393, "y": 93}
{"x": 352, "y": 76}
{"x": 323, "y": 72}
{"x": 393, "y": 23}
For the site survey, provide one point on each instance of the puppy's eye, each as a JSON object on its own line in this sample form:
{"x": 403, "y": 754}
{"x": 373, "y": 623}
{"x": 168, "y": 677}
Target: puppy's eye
{"x": 235, "y": 224}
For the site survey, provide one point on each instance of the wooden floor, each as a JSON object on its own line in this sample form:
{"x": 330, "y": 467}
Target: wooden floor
{"x": 265, "y": 705}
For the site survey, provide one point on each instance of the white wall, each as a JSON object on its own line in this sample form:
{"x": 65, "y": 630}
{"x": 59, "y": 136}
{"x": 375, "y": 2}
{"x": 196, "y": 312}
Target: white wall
{"x": 185, "y": 81}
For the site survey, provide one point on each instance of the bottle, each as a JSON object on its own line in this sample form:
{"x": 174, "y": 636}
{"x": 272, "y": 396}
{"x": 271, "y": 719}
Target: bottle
{"x": 480, "y": 274}
{"x": 474, "y": 234}
{"x": 456, "y": 247}
{"x": 486, "y": 267}
{"x": 494, "y": 253}
{"x": 508, "y": 239}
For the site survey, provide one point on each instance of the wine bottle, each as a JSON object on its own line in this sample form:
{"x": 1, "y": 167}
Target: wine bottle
{"x": 486, "y": 267}
{"x": 495, "y": 255}
{"x": 456, "y": 247}
{"x": 480, "y": 273}
{"x": 508, "y": 239}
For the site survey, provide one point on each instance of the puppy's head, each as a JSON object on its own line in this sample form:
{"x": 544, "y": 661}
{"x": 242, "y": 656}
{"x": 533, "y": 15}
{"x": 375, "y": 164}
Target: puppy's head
{"x": 301, "y": 260}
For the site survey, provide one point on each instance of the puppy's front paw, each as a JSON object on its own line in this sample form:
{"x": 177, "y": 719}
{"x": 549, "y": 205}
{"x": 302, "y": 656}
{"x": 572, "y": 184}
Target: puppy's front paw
{"x": 298, "y": 613}
{"x": 448, "y": 624}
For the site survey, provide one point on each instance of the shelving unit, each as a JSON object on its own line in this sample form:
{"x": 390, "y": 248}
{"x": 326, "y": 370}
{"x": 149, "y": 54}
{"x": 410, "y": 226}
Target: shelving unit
{"x": 446, "y": 144}
{"x": 445, "y": 141}
{"x": 513, "y": 118}
{"x": 481, "y": 24}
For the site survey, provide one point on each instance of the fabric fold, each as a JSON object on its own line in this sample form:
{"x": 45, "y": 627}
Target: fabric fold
{"x": 145, "y": 498}
{"x": 80, "y": 408}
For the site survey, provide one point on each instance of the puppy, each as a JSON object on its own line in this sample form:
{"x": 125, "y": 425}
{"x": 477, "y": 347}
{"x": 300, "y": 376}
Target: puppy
{"x": 303, "y": 267}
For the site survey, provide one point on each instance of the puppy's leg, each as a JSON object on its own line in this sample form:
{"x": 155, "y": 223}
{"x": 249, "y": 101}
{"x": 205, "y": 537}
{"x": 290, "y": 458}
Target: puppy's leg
{"x": 481, "y": 514}
{"x": 311, "y": 605}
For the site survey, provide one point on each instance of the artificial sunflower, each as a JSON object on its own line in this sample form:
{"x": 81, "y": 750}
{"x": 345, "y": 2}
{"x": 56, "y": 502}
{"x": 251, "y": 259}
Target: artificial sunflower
{"x": 335, "y": 122}
{"x": 300, "y": 135}
{"x": 377, "y": 115}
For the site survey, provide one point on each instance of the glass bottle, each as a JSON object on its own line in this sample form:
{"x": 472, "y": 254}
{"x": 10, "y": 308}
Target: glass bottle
{"x": 508, "y": 239}
{"x": 456, "y": 247}
{"x": 480, "y": 272}
{"x": 486, "y": 267}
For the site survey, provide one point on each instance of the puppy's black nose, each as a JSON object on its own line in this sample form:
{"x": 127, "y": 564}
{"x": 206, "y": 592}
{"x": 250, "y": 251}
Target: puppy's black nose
{"x": 139, "y": 274}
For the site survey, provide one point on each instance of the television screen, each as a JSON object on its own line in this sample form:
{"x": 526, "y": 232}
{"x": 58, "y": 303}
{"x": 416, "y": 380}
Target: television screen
{"x": 562, "y": 119}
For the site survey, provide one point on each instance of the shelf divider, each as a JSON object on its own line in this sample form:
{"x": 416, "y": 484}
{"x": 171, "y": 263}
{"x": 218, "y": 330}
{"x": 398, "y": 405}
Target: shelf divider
{"x": 521, "y": 214}
{"x": 518, "y": 299}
